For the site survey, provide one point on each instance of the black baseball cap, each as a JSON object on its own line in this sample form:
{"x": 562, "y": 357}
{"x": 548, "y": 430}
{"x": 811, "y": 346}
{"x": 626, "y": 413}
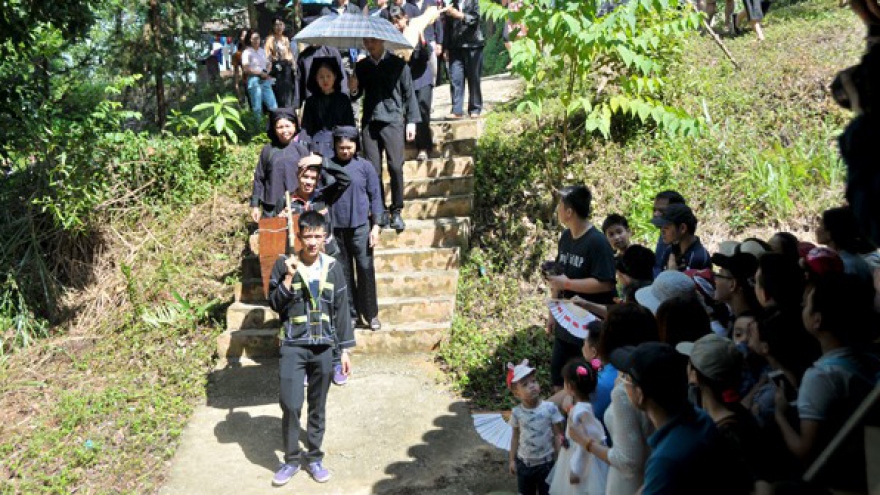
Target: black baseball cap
{"x": 676, "y": 213}
{"x": 656, "y": 367}
{"x": 741, "y": 265}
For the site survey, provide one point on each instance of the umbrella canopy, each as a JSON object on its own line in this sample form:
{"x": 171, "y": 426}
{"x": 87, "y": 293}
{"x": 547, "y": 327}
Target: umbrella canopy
{"x": 349, "y": 30}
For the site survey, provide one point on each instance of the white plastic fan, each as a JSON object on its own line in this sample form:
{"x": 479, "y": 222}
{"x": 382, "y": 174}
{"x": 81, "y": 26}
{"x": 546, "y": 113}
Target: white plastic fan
{"x": 571, "y": 317}
{"x": 494, "y": 429}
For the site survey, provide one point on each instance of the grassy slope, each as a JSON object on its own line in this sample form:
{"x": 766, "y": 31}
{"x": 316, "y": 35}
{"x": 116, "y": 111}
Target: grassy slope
{"x": 767, "y": 162}
{"x": 99, "y": 409}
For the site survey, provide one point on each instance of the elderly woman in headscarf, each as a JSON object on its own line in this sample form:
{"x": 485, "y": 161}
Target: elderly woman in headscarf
{"x": 355, "y": 226}
{"x": 276, "y": 171}
{"x": 327, "y": 107}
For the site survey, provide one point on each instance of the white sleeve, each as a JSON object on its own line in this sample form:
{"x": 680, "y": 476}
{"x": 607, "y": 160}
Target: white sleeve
{"x": 628, "y": 452}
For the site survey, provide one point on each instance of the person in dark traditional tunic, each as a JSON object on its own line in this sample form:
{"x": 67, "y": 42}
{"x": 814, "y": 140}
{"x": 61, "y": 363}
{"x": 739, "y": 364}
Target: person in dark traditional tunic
{"x": 328, "y": 107}
{"x": 390, "y": 114}
{"x": 304, "y": 68}
{"x": 276, "y": 171}
{"x": 355, "y": 216}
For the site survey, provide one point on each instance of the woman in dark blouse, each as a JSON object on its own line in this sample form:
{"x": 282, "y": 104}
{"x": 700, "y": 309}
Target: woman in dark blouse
{"x": 276, "y": 171}
{"x": 355, "y": 226}
{"x": 327, "y": 107}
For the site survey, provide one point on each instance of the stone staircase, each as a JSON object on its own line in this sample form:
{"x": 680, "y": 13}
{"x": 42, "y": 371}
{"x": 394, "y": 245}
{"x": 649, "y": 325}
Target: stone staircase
{"x": 416, "y": 270}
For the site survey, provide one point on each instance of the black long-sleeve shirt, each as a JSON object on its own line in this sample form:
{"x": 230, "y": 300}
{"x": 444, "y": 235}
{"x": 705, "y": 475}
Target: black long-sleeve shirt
{"x": 324, "y": 112}
{"x": 276, "y": 173}
{"x": 388, "y": 91}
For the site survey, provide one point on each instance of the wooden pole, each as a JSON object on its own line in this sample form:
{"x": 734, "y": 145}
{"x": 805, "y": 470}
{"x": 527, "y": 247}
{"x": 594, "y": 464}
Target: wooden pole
{"x": 718, "y": 42}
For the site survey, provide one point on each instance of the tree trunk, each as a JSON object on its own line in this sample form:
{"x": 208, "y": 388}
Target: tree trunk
{"x": 161, "y": 111}
{"x": 157, "y": 69}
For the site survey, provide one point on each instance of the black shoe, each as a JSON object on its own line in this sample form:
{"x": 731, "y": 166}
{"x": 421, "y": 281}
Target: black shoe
{"x": 397, "y": 222}
{"x": 375, "y": 324}
{"x": 384, "y": 219}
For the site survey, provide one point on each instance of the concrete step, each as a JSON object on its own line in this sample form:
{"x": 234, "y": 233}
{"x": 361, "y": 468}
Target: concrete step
{"x": 428, "y": 283}
{"x": 392, "y": 311}
{"x": 396, "y": 284}
{"x": 405, "y": 338}
{"x": 256, "y": 347}
{"x": 444, "y": 148}
{"x": 427, "y": 208}
{"x": 436, "y": 167}
{"x": 437, "y": 232}
{"x": 415, "y": 259}
{"x": 250, "y": 344}
{"x": 451, "y": 130}
{"x": 397, "y": 311}
{"x": 434, "y": 187}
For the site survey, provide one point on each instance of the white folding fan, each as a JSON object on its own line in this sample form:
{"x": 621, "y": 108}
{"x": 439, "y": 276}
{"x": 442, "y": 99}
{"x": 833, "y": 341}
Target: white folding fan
{"x": 494, "y": 428}
{"x": 571, "y": 317}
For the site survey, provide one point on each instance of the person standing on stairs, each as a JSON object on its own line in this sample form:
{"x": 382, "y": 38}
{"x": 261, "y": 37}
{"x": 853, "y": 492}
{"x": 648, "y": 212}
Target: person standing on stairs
{"x": 277, "y": 166}
{"x": 390, "y": 112}
{"x": 327, "y": 107}
{"x": 423, "y": 81}
{"x": 321, "y": 184}
{"x": 463, "y": 44}
{"x": 355, "y": 227}
{"x": 310, "y": 295}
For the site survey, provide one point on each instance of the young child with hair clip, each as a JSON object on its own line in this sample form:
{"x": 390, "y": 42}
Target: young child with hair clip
{"x": 576, "y": 471}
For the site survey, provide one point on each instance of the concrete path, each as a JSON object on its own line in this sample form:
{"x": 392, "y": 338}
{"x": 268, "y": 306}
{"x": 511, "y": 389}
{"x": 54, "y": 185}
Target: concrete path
{"x": 392, "y": 430}
{"x": 496, "y": 89}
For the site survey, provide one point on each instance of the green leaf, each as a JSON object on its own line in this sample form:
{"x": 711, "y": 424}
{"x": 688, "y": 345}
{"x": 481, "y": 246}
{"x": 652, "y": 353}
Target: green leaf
{"x": 202, "y": 106}
{"x": 219, "y": 123}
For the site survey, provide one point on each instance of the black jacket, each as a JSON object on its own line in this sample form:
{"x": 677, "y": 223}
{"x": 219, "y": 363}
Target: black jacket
{"x": 388, "y": 89}
{"x": 312, "y": 319}
{"x": 465, "y": 33}
{"x": 276, "y": 173}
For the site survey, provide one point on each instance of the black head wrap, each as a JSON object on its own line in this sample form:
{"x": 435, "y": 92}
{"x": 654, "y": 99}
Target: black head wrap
{"x": 275, "y": 116}
{"x": 345, "y": 131}
{"x": 348, "y": 132}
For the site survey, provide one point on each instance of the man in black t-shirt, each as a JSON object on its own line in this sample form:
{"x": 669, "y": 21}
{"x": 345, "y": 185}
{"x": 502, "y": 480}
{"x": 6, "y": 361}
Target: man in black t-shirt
{"x": 587, "y": 263}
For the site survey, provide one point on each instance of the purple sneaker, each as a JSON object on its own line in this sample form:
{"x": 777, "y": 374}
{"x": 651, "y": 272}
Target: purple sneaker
{"x": 339, "y": 377}
{"x": 284, "y": 473}
{"x": 318, "y": 471}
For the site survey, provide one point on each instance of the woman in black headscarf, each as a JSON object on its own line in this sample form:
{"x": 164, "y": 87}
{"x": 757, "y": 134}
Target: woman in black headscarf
{"x": 355, "y": 226}
{"x": 327, "y": 107}
{"x": 276, "y": 170}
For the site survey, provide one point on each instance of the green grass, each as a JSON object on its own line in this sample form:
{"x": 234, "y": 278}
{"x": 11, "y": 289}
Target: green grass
{"x": 100, "y": 405}
{"x": 767, "y": 160}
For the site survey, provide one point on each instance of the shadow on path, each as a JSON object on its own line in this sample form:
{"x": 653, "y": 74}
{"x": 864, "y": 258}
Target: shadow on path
{"x": 451, "y": 459}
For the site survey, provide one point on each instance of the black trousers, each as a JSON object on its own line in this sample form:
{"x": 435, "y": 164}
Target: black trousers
{"x": 354, "y": 248}
{"x": 379, "y": 137}
{"x": 424, "y": 96}
{"x": 466, "y": 64}
{"x": 563, "y": 352}
{"x": 297, "y": 363}
{"x": 532, "y": 480}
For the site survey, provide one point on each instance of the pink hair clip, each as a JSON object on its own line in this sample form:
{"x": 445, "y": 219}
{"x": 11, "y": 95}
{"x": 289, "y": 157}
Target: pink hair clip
{"x": 596, "y": 364}
{"x": 581, "y": 371}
